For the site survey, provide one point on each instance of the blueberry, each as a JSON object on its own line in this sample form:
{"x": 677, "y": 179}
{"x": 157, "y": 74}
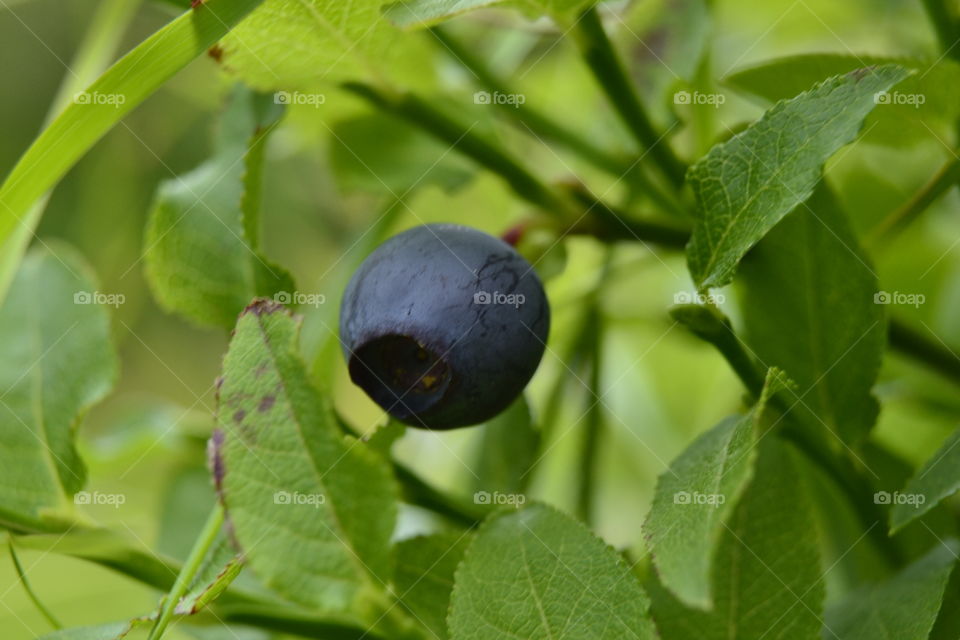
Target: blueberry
{"x": 444, "y": 325}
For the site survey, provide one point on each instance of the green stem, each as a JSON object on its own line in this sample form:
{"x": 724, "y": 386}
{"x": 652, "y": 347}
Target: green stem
{"x": 593, "y": 425}
{"x": 919, "y": 347}
{"x": 417, "y": 492}
{"x": 608, "y": 224}
{"x": 190, "y": 568}
{"x": 301, "y": 623}
{"x": 426, "y": 116}
{"x": 567, "y": 204}
{"x": 602, "y": 59}
{"x": 21, "y": 574}
{"x": 234, "y": 605}
{"x": 539, "y": 122}
{"x": 946, "y": 26}
{"x": 943, "y": 181}
{"x": 841, "y": 469}
{"x": 532, "y": 120}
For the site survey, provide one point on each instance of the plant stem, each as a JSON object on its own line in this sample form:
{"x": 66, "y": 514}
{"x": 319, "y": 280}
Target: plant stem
{"x": 945, "y": 178}
{"x": 21, "y": 574}
{"x": 426, "y": 116}
{"x": 857, "y": 488}
{"x": 301, "y": 623}
{"x": 538, "y": 123}
{"x": 932, "y": 353}
{"x": 593, "y": 426}
{"x": 417, "y": 492}
{"x": 190, "y": 568}
{"x": 602, "y": 59}
{"x": 608, "y": 224}
{"x": 946, "y": 26}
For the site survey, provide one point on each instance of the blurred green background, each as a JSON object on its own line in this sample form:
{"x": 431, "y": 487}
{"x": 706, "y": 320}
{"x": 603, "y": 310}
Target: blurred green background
{"x": 335, "y": 168}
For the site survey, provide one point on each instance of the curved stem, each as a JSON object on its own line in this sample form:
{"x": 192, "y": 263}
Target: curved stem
{"x": 190, "y": 568}
{"x": 945, "y": 178}
{"x": 21, "y": 574}
{"x": 602, "y": 59}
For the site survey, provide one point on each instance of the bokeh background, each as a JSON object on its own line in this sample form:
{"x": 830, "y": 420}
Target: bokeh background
{"x": 333, "y": 170}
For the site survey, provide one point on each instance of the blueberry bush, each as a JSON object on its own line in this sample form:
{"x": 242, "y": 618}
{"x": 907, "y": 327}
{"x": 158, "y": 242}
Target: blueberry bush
{"x": 480, "y": 319}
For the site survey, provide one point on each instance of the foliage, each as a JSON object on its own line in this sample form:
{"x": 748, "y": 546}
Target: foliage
{"x": 799, "y": 210}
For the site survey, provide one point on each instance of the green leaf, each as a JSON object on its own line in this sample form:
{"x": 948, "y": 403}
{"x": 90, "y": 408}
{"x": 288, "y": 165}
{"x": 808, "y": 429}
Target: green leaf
{"x": 422, "y": 13}
{"x": 134, "y": 78}
{"x": 107, "y": 548}
{"x": 424, "y": 576}
{"x": 202, "y": 260}
{"x": 924, "y": 105}
{"x": 111, "y": 631}
{"x": 382, "y": 154}
{"x": 904, "y": 607}
{"x": 746, "y": 185}
{"x": 58, "y": 360}
{"x": 695, "y": 497}
{"x": 219, "y": 568}
{"x": 311, "y": 511}
{"x": 937, "y": 479}
{"x": 766, "y": 579}
{"x": 508, "y": 449}
{"x": 808, "y": 308}
{"x": 537, "y": 573}
{"x": 289, "y": 44}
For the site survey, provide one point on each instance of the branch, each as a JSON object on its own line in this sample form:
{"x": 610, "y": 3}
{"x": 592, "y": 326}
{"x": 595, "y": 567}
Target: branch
{"x": 421, "y": 113}
{"x": 541, "y": 125}
{"x": 917, "y": 346}
{"x": 601, "y": 58}
{"x": 946, "y": 177}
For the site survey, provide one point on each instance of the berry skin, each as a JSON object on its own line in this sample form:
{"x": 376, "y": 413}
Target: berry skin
{"x": 443, "y": 326}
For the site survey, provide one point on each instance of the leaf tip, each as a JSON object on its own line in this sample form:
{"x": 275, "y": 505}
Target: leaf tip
{"x": 263, "y": 306}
